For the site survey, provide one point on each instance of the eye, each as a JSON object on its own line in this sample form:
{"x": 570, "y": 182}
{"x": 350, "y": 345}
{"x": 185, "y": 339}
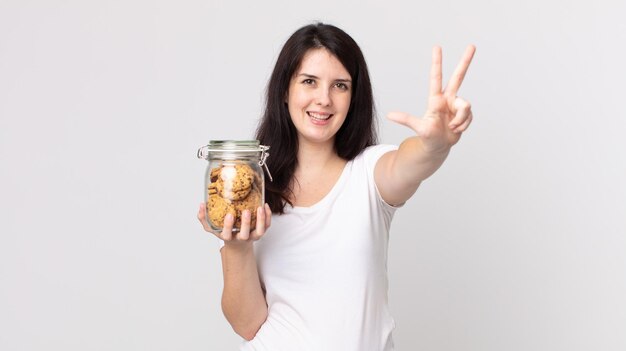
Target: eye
{"x": 308, "y": 81}
{"x": 342, "y": 86}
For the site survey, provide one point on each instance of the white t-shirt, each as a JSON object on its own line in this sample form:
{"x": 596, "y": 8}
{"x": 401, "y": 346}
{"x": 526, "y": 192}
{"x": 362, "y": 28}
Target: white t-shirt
{"x": 324, "y": 269}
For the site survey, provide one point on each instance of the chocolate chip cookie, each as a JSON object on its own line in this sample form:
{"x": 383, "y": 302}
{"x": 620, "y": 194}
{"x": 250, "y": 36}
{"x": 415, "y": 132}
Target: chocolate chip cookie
{"x": 218, "y": 208}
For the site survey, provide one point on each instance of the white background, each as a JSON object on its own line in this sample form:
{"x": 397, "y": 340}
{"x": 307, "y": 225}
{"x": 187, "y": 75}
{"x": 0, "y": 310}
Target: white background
{"x": 517, "y": 243}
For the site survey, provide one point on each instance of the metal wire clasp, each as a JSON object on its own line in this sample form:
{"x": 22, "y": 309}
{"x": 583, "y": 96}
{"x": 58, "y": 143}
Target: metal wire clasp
{"x": 264, "y": 156}
{"x": 203, "y": 152}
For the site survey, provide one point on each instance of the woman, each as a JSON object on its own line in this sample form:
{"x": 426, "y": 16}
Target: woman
{"x": 317, "y": 280}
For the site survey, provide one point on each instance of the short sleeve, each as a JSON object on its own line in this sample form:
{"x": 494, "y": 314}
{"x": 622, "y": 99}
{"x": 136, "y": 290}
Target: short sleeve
{"x": 371, "y": 156}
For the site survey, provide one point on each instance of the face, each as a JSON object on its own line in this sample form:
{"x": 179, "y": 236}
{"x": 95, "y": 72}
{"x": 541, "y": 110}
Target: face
{"x": 319, "y": 97}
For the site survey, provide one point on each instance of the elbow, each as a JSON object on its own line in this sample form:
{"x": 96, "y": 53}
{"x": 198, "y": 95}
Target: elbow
{"x": 246, "y": 325}
{"x": 248, "y": 332}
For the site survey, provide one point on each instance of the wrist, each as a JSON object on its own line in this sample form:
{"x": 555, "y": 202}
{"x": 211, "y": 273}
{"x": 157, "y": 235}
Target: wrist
{"x": 423, "y": 148}
{"x": 239, "y": 247}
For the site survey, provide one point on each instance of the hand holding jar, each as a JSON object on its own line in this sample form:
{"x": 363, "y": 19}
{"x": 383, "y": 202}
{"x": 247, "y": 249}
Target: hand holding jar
{"x": 246, "y": 232}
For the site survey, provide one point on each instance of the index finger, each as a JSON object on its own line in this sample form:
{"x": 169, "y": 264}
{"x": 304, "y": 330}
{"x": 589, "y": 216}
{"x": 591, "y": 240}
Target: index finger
{"x": 435, "y": 72}
{"x": 459, "y": 73}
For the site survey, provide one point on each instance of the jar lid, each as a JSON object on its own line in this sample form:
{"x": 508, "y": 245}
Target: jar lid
{"x": 231, "y": 145}
{"x": 236, "y": 147}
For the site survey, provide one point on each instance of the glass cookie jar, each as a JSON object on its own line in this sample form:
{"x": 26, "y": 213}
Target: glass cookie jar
{"x": 234, "y": 180}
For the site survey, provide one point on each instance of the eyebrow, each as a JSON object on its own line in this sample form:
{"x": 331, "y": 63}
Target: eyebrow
{"x": 316, "y": 77}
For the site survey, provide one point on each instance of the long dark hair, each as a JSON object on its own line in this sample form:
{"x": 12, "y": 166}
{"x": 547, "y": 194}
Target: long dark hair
{"x": 276, "y": 128}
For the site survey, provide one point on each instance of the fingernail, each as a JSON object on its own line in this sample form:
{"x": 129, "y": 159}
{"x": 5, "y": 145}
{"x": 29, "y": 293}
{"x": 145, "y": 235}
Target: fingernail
{"x": 246, "y": 214}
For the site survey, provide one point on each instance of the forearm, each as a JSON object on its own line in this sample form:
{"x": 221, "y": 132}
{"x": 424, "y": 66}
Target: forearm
{"x": 413, "y": 163}
{"x": 243, "y": 301}
{"x": 398, "y": 174}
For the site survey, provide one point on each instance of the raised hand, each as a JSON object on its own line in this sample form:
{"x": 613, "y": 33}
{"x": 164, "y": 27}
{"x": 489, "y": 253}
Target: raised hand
{"x": 447, "y": 115}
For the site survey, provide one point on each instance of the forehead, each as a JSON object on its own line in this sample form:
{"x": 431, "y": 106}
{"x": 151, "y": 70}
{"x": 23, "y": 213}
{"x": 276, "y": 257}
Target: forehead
{"x": 320, "y": 61}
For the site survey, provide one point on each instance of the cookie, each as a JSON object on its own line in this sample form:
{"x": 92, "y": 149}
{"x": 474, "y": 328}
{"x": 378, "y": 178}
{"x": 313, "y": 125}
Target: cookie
{"x": 250, "y": 203}
{"x": 235, "y": 181}
{"x": 218, "y": 208}
{"x": 215, "y": 172}
{"x": 240, "y": 176}
{"x": 212, "y": 189}
{"x": 225, "y": 190}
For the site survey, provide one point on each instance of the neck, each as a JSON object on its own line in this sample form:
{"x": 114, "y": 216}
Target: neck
{"x": 317, "y": 171}
{"x": 316, "y": 156}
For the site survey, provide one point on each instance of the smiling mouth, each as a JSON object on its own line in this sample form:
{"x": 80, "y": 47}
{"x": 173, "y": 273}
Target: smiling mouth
{"x": 319, "y": 116}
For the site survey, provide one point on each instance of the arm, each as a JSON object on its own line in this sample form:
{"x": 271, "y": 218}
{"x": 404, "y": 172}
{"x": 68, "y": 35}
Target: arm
{"x": 243, "y": 300}
{"x": 399, "y": 173}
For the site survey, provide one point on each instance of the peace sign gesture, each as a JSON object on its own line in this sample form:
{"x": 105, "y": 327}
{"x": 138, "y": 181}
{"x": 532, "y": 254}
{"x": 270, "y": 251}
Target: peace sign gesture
{"x": 447, "y": 115}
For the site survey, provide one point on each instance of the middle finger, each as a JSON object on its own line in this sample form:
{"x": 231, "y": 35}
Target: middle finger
{"x": 227, "y": 230}
{"x": 244, "y": 232}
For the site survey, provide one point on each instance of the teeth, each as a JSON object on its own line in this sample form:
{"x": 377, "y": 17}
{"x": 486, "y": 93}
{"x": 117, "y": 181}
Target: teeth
{"x": 318, "y": 117}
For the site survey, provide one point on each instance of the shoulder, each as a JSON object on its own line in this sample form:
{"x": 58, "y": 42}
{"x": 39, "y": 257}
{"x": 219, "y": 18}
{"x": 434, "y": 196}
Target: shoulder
{"x": 370, "y": 155}
{"x": 367, "y": 160}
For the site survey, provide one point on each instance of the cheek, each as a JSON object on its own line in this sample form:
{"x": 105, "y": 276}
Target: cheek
{"x": 296, "y": 99}
{"x": 345, "y": 104}
{"x": 293, "y": 103}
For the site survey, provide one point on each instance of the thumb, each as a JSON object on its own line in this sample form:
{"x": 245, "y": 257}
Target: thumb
{"x": 407, "y": 120}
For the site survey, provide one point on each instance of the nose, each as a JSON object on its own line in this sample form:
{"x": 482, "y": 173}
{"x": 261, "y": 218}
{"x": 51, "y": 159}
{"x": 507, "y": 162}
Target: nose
{"x": 323, "y": 97}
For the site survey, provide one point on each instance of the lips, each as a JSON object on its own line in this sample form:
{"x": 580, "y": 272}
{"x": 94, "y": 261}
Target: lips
{"x": 319, "y": 116}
